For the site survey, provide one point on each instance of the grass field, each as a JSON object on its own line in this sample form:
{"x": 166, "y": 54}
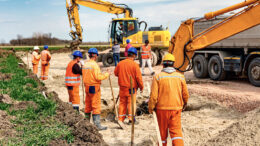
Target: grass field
{"x": 34, "y": 125}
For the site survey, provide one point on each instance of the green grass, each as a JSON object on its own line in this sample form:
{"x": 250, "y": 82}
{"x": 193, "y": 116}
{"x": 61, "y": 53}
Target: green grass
{"x": 36, "y": 126}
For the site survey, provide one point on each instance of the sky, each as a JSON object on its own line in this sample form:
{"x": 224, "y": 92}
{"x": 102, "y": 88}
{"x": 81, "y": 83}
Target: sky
{"x": 24, "y": 17}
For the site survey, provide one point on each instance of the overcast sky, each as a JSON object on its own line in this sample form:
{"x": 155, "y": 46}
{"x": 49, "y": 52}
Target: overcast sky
{"x": 49, "y": 16}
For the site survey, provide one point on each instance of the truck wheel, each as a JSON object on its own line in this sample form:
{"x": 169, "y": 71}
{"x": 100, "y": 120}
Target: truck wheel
{"x": 200, "y": 66}
{"x": 254, "y": 72}
{"x": 108, "y": 59}
{"x": 160, "y": 57}
{"x": 154, "y": 59}
{"x": 215, "y": 68}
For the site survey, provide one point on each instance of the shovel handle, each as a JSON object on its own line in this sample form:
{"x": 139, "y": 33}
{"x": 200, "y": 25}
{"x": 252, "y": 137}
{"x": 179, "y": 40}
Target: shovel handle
{"x": 157, "y": 129}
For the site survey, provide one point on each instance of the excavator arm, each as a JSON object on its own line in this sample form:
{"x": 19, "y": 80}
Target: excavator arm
{"x": 184, "y": 43}
{"x": 73, "y": 14}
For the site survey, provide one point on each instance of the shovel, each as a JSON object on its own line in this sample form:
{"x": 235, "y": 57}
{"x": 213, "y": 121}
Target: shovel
{"x": 157, "y": 129}
{"x": 121, "y": 124}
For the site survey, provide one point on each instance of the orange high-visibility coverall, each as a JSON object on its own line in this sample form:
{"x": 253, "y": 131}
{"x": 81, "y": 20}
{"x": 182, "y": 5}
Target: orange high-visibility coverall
{"x": 123, "y": 71}
{"x": 168, "y": 95}
{"x": 92, "y": 78}
{"x": 72, "y": 81}
{"x": 45, "y": 57}
{"x": 35, "y": 61}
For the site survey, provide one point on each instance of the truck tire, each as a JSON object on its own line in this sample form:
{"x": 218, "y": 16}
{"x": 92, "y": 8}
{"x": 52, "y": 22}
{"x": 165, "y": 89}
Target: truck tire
{"x": 108, "y": 60}
{"x": 160, "y": 57}
{"x": 154, "y": 59}
{"x": 200, "y": 66}
{"x": 216, "y": 69}
{"x": 254, "y": 72}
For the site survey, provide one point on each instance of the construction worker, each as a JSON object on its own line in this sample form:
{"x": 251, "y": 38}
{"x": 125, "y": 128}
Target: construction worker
{"x": 146, "y": 57}
{"x": 127, "y": 46}
{"x": 119, "y": 32}
{"x": 116, "y": 52}
{"x": 92, "y": 78}
{"x": 123, "y": 71}
{"x": 169, "y": 96}
{"x": 35, "y": 59}
{"x": 72, "y": 79}
{"x": 45, "y": 57}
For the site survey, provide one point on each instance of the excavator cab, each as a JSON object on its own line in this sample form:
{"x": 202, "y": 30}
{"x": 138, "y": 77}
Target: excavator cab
{"x": 122, "y": 29}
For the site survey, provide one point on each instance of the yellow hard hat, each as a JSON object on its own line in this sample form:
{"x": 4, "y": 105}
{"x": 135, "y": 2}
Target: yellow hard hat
{"x": 168, "y": 57}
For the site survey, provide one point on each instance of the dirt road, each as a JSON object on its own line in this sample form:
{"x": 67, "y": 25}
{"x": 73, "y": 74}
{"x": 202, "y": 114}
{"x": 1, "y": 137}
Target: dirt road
{"x": 212, "y": 117}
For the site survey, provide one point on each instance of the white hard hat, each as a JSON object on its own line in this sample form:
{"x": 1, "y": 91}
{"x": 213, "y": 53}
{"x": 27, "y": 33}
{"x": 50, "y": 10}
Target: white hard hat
{"x": 36, "y": 48}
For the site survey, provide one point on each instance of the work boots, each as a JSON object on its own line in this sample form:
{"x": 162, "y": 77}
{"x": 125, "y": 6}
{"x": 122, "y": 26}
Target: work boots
{"x": 96, "y": 120}
{"x": 76, "y": 108}
{"x": 87, "y": 116}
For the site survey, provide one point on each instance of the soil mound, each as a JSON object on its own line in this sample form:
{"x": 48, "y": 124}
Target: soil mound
{"x": 6, "y": 127}
{"x": 84, "y": 132}
{"x": 4, "y": 98}
{"x": 23, "y": 105}
{"x": 243, "y": 132}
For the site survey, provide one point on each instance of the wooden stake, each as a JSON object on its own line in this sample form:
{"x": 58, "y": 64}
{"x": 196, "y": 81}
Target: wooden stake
{"x": 157, "y": 129}
{"x": 121, "y": 124}
{"x": 133, "y": 122}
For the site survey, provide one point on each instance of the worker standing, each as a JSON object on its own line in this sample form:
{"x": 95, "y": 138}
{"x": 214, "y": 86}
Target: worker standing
{"x": 36, "y": 57}
{"x": 45, "y": 57}
{"x": 72, "y": 79}
{"x": 127, "y": 46}
{"x": 123, "y": 71}
{"x": 92, "y": 78}
{"x": 116, "y": 52}
{"x": 146, "y": 57}
{"x": 169, "y": 96}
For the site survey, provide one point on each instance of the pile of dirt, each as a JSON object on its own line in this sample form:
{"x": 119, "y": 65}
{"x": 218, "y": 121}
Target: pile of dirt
{"x": 247, "y": 129}
{"x": 6, "y": 127}
{"x": 84, "y": 132}
{"x": 4, "y": 98}
{"x": 23, "y": 105}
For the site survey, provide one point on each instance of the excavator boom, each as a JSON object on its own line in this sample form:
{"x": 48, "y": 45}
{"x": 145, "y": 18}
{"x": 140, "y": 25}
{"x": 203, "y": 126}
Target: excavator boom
{"x": 184, "y": 43}
{"x": 73, "y": 14}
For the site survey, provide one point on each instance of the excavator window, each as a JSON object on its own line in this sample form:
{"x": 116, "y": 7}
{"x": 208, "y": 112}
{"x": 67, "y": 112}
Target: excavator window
{"x": 132, "y": 27}
{"x": 122, "y": 29}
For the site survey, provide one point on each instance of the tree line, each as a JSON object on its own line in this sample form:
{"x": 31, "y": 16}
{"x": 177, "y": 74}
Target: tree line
{"x": 37, "y": 39}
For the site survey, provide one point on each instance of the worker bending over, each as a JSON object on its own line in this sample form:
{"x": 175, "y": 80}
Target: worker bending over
{"x": 72, "y": 79}
{"x": 35, "y": 59}
{"x": 146, "y": 57}
{"x": 92, "y": 78}
{"x": 169, "y": 96}
{"x": 45, "y": 57}
{"x": 123, "y": 71}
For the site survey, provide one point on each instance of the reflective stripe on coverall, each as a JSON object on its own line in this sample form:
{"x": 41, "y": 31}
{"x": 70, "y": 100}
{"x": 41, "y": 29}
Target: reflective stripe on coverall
{"x": 45, "y": 58}
{"x": 72, "y": 81}
{"x": 123, "y": 71}
{"x": 92, "y": 77}
{"x": 168, "y": 95}
{"x": 35, "y": 61}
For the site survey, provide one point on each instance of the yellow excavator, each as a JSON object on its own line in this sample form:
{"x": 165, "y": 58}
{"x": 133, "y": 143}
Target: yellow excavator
{"x": 219, "y": 62}
{"x": 121, "y": 29}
